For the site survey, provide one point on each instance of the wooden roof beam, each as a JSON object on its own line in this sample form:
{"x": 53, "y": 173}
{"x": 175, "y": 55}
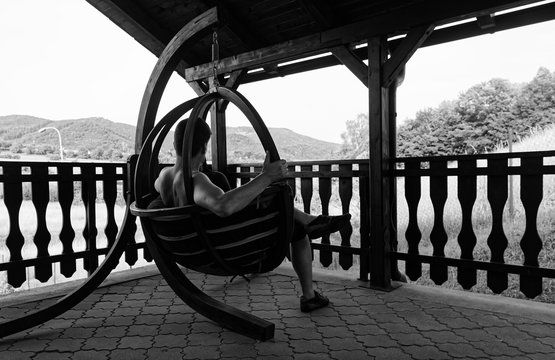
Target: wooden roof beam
{"x": 321, "y": 13}
{"x": 131, "y": 18}
{"x": 320, "y": 42}
{"x": 457, "y": 32}
{"x": 485, "y": 21}
{"x": 352, "y": 62}
{"x": 238, "y": 26}
{"x": 402, "y": 53}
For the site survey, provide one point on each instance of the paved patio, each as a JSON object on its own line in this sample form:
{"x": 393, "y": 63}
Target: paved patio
{"x": 143, "y": 319}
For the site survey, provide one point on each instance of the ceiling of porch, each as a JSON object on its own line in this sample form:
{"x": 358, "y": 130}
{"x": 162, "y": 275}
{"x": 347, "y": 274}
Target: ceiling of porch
{"x": 282, "y": 37}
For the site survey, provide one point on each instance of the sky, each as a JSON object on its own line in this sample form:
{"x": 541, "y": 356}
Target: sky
{"x": 62, "y": 59}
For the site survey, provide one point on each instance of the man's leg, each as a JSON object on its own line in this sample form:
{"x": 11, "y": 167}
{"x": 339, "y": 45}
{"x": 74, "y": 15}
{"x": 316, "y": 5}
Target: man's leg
{"x": 318, "y": 226}
{"x": 301, "y": 257}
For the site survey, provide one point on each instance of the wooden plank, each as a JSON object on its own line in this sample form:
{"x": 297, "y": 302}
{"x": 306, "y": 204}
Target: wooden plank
{"x": 351, "y": 62}
{"x": 486, "y": 22}
{"x": 380, "y": 270}
{"x": 531, "y": 194}
{"x": 88, "y": 195}
{"x": 130, "y": 221}
{"x": 466, "y": 191}
{"x": 457, "y": 32}
{"x": 110, "y": 192}
{"x": 13, "y": 197}
{"x": 324, "y": 190}
{"x": 42, "y": 237}
{"x": 437, "y": 12}
{"x": 345, "y": 195}
{"x": 67, "y": 233}
{"x": 306, "y": 189}
{"x": 413, "y": 190}
{"x": 438, "y": 236}
{"x": 363, "y": 188}
{"x": 497, "y": 241}
{"x": 402, "y": 53}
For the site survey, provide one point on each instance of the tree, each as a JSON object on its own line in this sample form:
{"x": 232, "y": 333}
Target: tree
{"x": 535, "y": 105}
{"x": 356, "y": 138}
{"x": 487, "y": 108}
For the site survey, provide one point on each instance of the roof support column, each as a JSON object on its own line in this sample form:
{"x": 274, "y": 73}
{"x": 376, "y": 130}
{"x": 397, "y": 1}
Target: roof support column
{"x": 218, "y": 125}
{"x": 381, "y": 183}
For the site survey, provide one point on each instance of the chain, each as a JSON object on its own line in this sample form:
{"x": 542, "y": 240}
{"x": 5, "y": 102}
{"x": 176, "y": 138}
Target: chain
{"x": 215, "y": 59}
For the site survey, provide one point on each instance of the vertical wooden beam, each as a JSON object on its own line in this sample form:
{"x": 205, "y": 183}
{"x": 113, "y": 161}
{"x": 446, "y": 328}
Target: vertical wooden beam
{"x": 218, "y": 125}
{"x": 380, "y": 180}
{"x": 392, "y": 93}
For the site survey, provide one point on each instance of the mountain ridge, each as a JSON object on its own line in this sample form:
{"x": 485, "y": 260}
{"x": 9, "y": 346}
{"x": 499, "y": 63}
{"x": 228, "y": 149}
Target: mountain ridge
{"x": 101, "y": 138}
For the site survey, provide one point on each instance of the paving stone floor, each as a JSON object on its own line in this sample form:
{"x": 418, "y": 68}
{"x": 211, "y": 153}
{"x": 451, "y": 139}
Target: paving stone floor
{"x": 143, "y": 319}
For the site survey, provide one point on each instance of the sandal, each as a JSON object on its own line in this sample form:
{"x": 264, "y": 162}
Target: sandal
{"x": 317, "y": 302}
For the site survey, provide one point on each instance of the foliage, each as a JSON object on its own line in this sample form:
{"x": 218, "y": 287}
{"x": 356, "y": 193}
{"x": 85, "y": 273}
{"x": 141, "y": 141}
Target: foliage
{"x": 478, "y": 121}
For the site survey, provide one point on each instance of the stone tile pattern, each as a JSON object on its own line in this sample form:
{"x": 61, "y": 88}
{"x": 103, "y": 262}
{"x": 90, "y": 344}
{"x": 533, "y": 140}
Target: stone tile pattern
{"x": 143, "y": 319}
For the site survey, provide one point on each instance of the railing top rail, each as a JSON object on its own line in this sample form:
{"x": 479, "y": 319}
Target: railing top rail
{"x": 8, "y": 162}
{"x": 505, "y": 155}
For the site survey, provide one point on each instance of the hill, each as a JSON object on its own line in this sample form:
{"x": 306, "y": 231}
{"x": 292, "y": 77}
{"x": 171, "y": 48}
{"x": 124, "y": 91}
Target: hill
{"x": 99, "y": 138}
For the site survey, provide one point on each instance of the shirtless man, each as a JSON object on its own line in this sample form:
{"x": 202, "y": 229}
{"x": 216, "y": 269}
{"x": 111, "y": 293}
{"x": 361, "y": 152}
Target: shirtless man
{"x": 209, "y": 196}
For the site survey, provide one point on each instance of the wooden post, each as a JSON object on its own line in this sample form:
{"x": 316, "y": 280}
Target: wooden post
{"x": 219, "y": 143}
{"x": 380, "y": 181}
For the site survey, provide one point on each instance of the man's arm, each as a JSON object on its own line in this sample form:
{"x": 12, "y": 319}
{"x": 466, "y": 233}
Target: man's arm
{"x": 223, "y": 204}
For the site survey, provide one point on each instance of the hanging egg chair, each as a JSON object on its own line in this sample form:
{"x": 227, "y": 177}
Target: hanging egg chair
{"x": 253, "y": 240}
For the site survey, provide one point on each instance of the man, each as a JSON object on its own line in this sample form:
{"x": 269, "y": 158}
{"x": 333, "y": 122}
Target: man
{"x": 224, "y": 203}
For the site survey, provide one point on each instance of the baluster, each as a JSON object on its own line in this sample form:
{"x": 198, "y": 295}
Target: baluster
{"x": 497, "y": 241}
{"x": 68, "y": 266}
{"x": 413, "y": 234}
{"x": 438, "y": 236}
{"x": 324, "y": 185}
{"x": 466, "y": 192}
{"x": 13, "y": 197}
{"x": 306, "y": 188}
{"x": 131, "y": 253}
{"x": 364, "y": 186}
{"x": 346, "y": 194}
{"x": 88, "y": 194}
{"x": 531, "y": 193}
{"x": 41, "y": 197}
{"x": 110, "y": 191}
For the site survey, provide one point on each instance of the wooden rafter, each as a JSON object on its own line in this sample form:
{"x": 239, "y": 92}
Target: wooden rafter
{"x": 321, "y": 13}
{"x": 238, "y": 26}
{"x": 439, "y": 12}
{"x": 352, "y": 62}
{"x": 486, "y": 21}
{"x": 395, "y": 64}
{"x": 457, "y": 32}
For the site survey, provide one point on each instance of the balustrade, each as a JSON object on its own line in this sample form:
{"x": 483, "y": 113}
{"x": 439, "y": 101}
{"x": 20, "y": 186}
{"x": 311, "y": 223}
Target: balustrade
{"x": 319, "y": 187}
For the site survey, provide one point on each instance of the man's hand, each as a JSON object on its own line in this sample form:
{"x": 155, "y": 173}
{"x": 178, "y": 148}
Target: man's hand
{"x": 276, "y": 170}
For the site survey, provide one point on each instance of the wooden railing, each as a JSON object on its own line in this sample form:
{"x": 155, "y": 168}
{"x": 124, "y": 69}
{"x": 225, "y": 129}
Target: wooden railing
{"x": 343, "y": 186}
{"x": 72, "y": 188}
{"x": 335, "y": 187}
{"x": 490, "y": 194}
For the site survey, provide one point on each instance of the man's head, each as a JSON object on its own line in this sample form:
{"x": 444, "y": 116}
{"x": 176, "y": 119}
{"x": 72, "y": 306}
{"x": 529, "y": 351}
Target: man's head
{"x": 200, "y": 137}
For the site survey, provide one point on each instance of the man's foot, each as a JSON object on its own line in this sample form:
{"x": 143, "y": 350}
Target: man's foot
{"x": 325, "y": 224}
{"x": 317, "y": 302}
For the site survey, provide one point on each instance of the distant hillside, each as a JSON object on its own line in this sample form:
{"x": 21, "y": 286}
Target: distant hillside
{"x": 99, "y": 138}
